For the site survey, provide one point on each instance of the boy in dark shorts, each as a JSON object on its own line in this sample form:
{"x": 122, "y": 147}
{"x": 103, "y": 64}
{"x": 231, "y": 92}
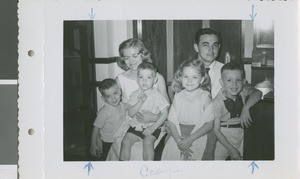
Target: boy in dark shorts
{"x": 147, "y": 97}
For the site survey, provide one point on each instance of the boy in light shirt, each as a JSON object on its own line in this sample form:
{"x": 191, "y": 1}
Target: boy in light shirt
{"x": 108, "y": 120}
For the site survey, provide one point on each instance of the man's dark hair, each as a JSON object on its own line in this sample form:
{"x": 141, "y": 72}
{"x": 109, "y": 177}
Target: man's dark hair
{"x": 208, "y": 31}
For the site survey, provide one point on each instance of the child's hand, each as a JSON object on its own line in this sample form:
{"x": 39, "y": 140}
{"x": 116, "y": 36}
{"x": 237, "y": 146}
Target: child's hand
{"x": 148, "y": 131}
{"x": 235, "y": 154}
{"x": 96, "y": 149}
{"x": 93, "y": 150}
{"x": 185, "y": 144}
{"x": 245, "y": 118}
{"x": 178, "y": 141}
{"x": 142, "y": 97}
{"x": 186, "y": 153}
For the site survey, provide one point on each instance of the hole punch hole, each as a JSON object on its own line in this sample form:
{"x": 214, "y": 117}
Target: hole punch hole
{"x": 30, "y": 131}
{"x": 31, "y": 53}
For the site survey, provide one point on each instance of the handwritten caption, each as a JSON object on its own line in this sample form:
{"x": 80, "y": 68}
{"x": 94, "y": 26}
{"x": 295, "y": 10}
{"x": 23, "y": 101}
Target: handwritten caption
{"x": 146, "y": 171}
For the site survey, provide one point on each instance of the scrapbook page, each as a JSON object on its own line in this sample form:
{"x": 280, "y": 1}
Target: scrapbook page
{"x": 85, "y": 103}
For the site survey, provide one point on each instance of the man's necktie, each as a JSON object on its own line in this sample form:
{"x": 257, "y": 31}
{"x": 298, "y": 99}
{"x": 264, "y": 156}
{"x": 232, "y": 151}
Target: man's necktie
{"x": 207, "y": 70}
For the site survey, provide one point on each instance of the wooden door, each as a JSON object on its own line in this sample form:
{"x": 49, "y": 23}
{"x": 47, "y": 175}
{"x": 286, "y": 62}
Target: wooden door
{"x": 184, "y": 32}
{"x": 154, "y": 36}
{"x": 79, "y": 90}
{"x": 231, "y": 38}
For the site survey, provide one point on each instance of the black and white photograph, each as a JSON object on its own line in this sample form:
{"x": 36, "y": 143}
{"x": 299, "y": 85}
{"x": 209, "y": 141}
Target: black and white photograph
{"x": 168, "y": 90}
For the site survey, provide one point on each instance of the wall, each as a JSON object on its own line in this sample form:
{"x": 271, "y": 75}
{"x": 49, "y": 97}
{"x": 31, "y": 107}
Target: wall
{"x": 248, "y": 35}
{"x": 107, "y": 37}
{"x": 248, "y": 32}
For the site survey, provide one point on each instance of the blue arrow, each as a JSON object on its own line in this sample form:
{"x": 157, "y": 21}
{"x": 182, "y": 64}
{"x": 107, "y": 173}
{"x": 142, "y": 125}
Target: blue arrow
{"x": 92, "y": 15}
{"x": 253, "y": 15}
{"x": 89, "y": 166}
{"x": 253, "y": 165}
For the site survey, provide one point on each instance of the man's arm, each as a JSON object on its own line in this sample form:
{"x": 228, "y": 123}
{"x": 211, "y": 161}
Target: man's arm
{"x": 254, "y": 97}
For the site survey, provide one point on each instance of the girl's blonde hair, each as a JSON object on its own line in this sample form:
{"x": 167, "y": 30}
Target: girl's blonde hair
{"x": 199, "y": 67}
{"x": 136, "y": 43}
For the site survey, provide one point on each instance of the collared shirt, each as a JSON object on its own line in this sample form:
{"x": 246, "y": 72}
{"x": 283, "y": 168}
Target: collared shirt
{"x": 108, "y": 120}
{"x": 215, "y": 76}
{"x": 220, "y": 108}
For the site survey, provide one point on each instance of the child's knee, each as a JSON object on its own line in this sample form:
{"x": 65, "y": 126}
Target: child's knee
{"x": 149, "y": 141}
{"x": 129, "y": 140}
{"x": 126, "y": 141}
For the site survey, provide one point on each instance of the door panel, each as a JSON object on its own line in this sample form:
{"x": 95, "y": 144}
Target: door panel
{"x": 231, "y": 35}
{"x": 154, "y": 37}
{"x": 184, "y": 31}
{"x": 79, "y": 90}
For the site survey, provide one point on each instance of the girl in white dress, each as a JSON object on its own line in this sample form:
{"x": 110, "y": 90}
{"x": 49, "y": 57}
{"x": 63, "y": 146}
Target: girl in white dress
{"x": 132, "y": 53}
{"x": 191, "y": 115}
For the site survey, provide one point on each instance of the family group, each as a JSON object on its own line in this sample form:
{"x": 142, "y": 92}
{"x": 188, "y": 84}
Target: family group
{"x": 204, "y": 121}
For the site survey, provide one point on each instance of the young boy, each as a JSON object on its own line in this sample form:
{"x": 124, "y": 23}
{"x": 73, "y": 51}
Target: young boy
{"x": 145, "y": 98}
{"x": 108, "y": 120}
{"x": 228, "y": 106}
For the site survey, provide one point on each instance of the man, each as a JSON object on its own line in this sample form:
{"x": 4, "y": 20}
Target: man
{"x": 207, "y": 45}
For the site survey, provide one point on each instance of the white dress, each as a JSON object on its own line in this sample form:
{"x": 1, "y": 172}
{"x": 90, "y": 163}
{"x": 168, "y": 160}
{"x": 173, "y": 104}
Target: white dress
{"x": 187, "y": 109}
{"x": 128, "y": 86}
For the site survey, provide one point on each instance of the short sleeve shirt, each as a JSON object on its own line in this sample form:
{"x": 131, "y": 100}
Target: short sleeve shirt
{"x": 154, "y": 103}
{"x": 219, "y": 106}
{"x": 109, "y": 120}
